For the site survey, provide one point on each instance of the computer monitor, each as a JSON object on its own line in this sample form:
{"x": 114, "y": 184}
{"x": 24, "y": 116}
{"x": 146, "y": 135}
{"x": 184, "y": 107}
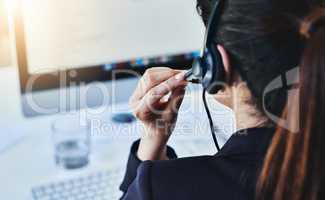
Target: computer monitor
{"x": 67, "y": 45}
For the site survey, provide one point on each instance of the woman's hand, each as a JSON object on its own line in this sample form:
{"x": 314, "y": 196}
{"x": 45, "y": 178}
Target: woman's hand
{"x": 155, "y": 102}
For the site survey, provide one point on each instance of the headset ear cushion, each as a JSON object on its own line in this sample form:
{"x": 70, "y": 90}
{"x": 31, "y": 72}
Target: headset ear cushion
{"x": 214, "y": 76}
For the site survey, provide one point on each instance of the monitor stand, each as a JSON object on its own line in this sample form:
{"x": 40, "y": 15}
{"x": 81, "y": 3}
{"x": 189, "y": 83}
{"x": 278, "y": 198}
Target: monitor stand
{"x": 123, "y": 118}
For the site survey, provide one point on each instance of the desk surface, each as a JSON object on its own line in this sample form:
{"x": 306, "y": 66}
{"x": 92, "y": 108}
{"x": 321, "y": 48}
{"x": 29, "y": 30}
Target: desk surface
{"x": 31, "y": 161}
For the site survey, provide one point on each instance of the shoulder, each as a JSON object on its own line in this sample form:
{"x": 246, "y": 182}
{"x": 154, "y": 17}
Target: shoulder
{"x": 176, "y": 168}
{"x": 190, "y": 178}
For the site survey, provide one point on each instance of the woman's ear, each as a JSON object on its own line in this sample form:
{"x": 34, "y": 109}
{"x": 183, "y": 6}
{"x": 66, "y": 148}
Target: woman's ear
{"x": 226, "y": 62}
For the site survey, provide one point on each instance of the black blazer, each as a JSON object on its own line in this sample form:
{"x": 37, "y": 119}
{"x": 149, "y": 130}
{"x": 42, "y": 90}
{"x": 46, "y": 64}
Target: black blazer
{"x": 230, "y": 174}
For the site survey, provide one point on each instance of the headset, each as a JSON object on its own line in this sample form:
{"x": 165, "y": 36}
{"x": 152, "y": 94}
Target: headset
{"x": 208, "y": 68}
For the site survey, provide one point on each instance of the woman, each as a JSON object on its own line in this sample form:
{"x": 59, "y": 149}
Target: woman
{"x": 259, "y": 40}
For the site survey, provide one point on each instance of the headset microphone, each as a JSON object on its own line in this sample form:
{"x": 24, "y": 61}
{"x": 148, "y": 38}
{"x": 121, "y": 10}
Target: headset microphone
{"x": 208, "y": 69}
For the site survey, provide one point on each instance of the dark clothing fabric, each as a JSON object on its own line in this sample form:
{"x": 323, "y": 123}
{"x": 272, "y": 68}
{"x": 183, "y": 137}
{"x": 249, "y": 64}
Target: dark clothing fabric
{"x": 229, "y": 174}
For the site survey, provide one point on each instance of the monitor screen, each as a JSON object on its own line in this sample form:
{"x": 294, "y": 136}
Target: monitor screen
{"x": 61, "y": 34}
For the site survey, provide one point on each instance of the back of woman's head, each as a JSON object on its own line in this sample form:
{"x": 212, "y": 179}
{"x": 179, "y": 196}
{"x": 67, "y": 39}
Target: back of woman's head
{"x": 263, "y": 42}
{"x": 266, "y": 38}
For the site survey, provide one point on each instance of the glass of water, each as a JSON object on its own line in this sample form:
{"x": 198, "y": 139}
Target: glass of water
{"x": 71, "y": 137}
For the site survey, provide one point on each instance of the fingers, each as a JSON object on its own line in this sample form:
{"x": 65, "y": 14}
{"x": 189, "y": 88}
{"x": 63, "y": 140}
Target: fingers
{"x": 176, "y": 100}
{"x": 152, "y": 78}
{"x": 155, "y": 94}
{"x": 171, "y": 107}
{"x": 150, "y": 104}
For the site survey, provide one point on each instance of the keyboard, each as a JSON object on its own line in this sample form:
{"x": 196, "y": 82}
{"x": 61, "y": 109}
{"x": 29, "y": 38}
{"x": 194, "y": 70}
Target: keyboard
{"x": 98, "y": 186}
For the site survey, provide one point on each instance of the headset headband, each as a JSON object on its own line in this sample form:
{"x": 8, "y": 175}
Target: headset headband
{"x": 212, "y": 26}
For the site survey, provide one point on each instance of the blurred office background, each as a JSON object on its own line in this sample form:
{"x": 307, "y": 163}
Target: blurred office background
{"x": 86, "y": 43}
{"x": 5, "y": 56}
{"x": 10, "y": 109}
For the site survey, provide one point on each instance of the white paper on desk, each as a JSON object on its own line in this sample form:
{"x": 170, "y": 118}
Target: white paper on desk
{"x": 10, "y": 136}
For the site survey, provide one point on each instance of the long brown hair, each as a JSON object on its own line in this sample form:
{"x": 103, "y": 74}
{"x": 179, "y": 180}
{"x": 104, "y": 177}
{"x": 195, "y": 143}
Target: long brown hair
{"x": 294, "y": 167}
